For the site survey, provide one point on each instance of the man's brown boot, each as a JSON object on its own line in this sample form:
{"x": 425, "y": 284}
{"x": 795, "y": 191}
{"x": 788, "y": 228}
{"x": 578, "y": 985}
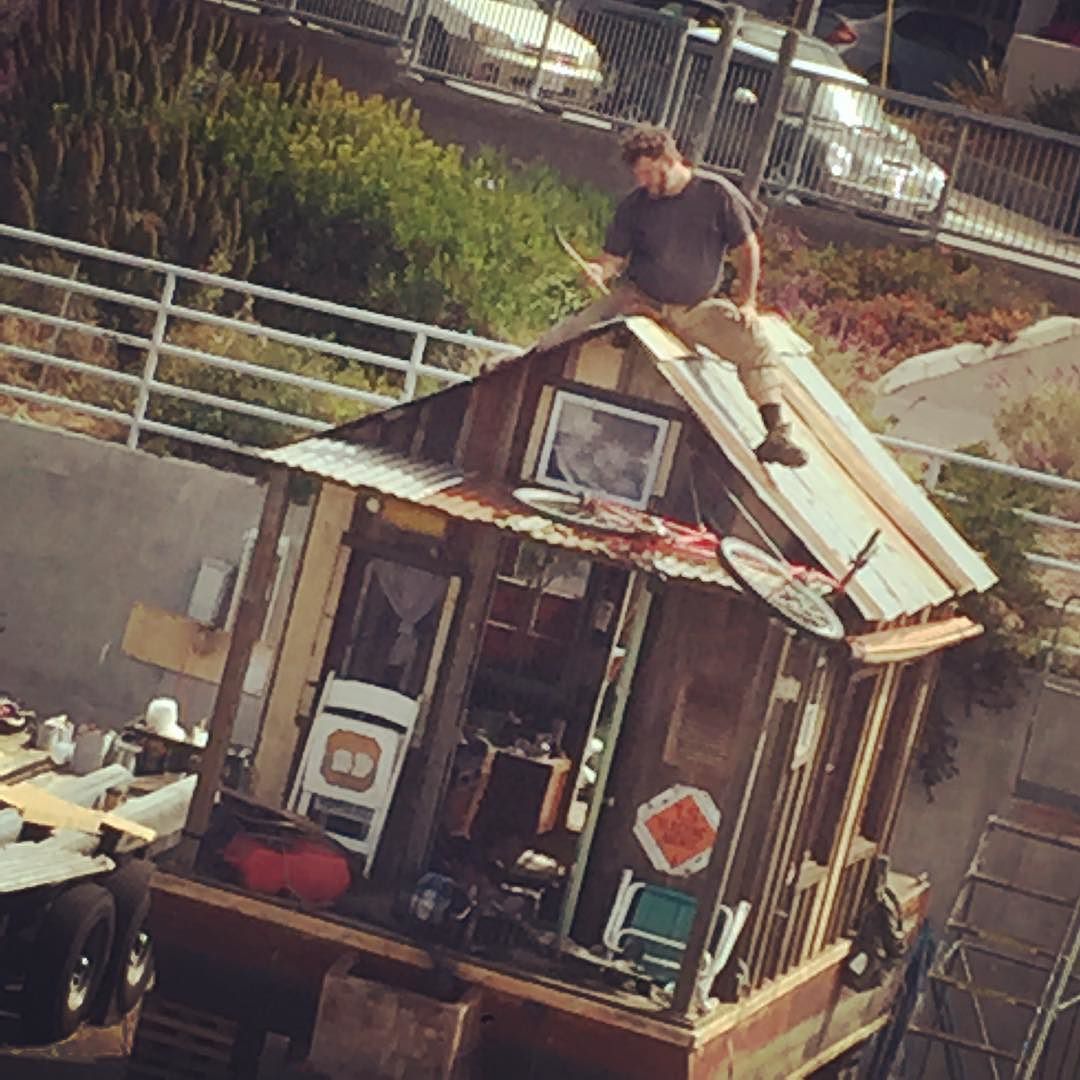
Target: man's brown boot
{"x": 778, "y": 449}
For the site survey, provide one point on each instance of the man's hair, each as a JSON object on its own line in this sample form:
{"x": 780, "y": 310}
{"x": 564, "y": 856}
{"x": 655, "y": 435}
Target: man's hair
{"x": 647, "y": 141}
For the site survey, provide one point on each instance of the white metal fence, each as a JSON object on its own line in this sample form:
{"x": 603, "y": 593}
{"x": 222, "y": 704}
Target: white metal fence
{"x": 153, "y": 356}
{"x": 145, "y": 360}
{"x": 923, "y": 164}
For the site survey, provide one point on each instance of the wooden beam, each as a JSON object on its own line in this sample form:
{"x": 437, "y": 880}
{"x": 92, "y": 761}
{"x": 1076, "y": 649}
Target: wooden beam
{"x": 493, "y": 418}
{"x": 447, "y": 712}
{"x": 849, "y": 819}
{"x": 280, "y": 920}
{"x": 40, "y": 806}
{"x": 841, "y": 1046}
{"x": 717, "y": 875}
{"x": 250, "y": 618}
{"x": 315, "y": 593}
{"x": 638, "y": 602}
{"x": 768, "y": 845}
{"x": 927, "y": 684}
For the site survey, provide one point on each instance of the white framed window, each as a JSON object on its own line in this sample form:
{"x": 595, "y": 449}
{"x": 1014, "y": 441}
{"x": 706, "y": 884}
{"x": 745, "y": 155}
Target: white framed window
{"x": 603, "y": 449}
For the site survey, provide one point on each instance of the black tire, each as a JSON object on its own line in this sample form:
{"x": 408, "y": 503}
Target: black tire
{"x": 131, "y": 960}
{"x": 69, "y": 961}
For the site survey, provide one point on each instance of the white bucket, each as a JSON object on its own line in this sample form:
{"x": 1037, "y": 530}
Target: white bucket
{"x": 163, "y": 716}
{"x": 91, "y": 745}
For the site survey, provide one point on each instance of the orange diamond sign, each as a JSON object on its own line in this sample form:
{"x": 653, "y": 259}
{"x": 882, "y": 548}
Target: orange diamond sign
{"x": 677, "y": 829}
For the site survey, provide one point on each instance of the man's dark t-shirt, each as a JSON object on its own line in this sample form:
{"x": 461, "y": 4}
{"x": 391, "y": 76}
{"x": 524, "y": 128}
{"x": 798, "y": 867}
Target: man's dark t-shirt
{"x": 676, "y": 243}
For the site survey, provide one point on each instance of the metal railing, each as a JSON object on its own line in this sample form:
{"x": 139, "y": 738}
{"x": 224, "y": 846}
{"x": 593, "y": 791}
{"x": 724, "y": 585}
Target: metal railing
{"x": 945, "y": 171}
{"x": 935, "y": 458}
{"x": 145, "y": 354}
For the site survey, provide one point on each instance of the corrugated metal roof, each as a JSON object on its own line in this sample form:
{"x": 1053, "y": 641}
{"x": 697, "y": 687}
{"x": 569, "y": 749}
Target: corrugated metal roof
{"x": 441, "y": 488}
{"x": 850, "y": 487}
{"x": 360, "y": 465}
{"x": 473, "y": 501}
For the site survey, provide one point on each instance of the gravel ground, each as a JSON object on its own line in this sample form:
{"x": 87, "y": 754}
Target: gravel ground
{"x": 90, "y": 1054}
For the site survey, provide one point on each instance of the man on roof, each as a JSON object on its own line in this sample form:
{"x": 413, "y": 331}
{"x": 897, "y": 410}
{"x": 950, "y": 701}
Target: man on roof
{"x": 666, "y": 244}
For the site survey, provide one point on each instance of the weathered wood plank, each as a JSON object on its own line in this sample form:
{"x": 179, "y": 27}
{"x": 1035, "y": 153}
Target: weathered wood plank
{"x": 41, "y": 807}
{"x": 314, "y": 594}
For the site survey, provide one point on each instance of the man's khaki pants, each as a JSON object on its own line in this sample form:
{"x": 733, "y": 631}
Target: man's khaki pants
{"x": 716, "y": 323}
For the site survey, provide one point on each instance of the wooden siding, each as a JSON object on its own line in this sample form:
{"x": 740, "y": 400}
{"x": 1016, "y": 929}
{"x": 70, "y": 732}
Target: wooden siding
{"x": 699, "y": 653}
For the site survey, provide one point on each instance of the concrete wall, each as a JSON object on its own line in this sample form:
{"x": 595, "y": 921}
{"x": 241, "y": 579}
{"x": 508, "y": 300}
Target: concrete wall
{"x": 938, "y": 836}
{"x": 1032, "y": 64}
{"x": 87, "y": 529}
{"x": 1034, "y": 15}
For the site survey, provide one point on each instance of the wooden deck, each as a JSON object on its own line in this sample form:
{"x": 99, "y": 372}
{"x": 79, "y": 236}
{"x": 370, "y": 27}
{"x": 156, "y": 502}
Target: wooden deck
{"x": 262, "y": 963}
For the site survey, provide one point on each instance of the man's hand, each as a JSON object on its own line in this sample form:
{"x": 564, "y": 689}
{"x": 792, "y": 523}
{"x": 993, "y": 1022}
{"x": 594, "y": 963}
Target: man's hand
{"x": 596, "y": 274}
{"x": 747, "y": 259}
{"x": 748, "y": 311}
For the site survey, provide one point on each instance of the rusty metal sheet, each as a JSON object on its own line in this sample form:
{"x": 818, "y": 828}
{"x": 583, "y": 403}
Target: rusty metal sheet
{"x": 441, "y": 488}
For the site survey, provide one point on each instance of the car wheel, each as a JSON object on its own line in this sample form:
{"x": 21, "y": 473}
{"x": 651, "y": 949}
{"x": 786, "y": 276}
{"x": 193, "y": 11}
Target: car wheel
{"x": 70, "y": 958}
{"x": 131, "y": 960}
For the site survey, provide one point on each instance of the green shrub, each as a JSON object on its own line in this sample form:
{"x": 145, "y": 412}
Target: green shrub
{"x": 1058, "y": 108}
{"x": 411, "y": 227}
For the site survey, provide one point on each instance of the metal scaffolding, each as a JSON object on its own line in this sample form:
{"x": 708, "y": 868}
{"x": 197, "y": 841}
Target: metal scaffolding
{"x": 1002, "y": 993}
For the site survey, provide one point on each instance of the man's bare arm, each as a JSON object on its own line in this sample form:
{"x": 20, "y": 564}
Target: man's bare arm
{"x": 747, "y": 260}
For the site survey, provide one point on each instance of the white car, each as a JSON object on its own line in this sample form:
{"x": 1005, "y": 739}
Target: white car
{"x": 851, "y": 149}
{"x": 504, "y": 44}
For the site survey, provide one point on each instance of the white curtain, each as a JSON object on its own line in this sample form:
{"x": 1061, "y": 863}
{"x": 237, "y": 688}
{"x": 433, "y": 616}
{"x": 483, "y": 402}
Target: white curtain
{"x": 412, "y": 593}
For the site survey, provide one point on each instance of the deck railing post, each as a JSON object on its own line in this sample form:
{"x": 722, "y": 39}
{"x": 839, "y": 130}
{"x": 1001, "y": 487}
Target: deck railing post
{"x": 704, "y": 119}
{"x": 152, "y": 354}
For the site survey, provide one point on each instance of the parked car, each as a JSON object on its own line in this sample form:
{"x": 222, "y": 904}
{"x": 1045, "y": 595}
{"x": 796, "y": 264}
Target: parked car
{"x": 487, "y": 41}
{"x": 930, "y": 48}
{"x": 851, "y": 149}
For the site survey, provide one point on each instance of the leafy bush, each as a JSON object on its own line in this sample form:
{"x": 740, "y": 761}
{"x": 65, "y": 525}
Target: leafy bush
{"x": 881, "y": 305}
{"x": 420, "y": 229}
{"x": 1058, "y": 108}
{"x": 799, "y": 275}
{"x": 244, "y": 387}
{"x": 1042, "y": 430}
{"x": 93, "y": 162}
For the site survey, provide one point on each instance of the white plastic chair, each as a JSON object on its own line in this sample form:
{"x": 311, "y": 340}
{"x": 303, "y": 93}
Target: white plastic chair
{"x": 354, "y": 788}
